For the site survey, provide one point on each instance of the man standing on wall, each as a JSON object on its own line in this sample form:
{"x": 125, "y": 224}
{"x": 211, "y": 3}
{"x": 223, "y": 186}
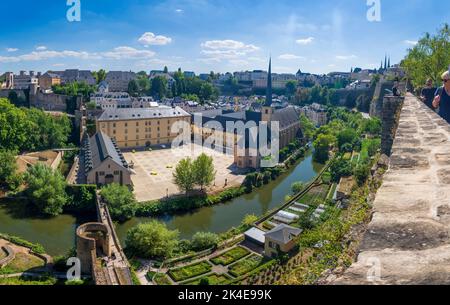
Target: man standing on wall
{"x": 427, "y": 94}
{"x": 442, "y": 98}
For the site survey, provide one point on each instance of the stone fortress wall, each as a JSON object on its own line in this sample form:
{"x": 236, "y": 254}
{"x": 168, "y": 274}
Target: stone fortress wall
{"x": 408, "y": 238}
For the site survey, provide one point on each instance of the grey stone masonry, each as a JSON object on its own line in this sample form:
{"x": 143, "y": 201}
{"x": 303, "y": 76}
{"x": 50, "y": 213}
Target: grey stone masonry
{"x": 392, "y": 105}
{"x": 408, "y": 238}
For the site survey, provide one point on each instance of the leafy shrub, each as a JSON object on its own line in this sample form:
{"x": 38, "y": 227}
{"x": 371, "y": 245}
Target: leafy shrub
{"x": 204, "y": 240}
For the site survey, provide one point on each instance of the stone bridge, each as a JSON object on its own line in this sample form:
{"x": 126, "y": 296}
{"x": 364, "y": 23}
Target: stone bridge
{"x": 408, "y": 238}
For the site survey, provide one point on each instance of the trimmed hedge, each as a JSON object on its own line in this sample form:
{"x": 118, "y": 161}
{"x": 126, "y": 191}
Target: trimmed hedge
{"x": 184, "y": 204}
{"x": 190, "y": 271}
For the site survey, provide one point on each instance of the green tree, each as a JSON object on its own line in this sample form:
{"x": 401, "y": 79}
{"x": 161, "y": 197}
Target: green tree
{"x": 249, "y": 220}
{"x": 121, "y": 202}
{"x": 203, "y": 170}
{"x": 133, "y": 88}
{"x": 291, "y": 88}
{"x": 204, "y": 240}
{"x": 373, "y": 126}
{"x": 159, "y": 87}
{"x": 340, "y": 168}
{"x": 322, "y": 147}
{"x": 143, "y": 84}
{"x": 15, "y": 127}
{"x": 428, "y": 58}
{"x": 99, "y": 75}
{"x": 307, "y": 127}
{"x": 8, "y": 168}
{"x": 183, "y": 176}
{"x": 347, "y": 136}
{"x": 152, "y": 240}
{"x": 297, "y": 187}
{"x": 46, "y": 189}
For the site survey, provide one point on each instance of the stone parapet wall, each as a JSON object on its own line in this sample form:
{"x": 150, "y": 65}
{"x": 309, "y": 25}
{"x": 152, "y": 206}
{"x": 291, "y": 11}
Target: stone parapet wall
{"x": 390, "y": 113}
{"x": 408, "y": 238}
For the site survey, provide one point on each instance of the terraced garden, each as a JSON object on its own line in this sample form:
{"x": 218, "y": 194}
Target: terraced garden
{"x": 246, "y": 265}
{"x": 230, "y": 256}
{"x": 162, "y": 279}
{"x": 190, "y": 271}
{"x": 212, "y": 279}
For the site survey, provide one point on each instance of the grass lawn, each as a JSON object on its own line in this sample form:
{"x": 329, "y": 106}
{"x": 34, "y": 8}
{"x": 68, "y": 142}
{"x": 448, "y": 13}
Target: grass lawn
{"x": 45, "y": 281}
{"x": 230, "y": 256}
{"x": 187, "y": 272}
{"x": 214, "y": 279}
{"x": 22, "y": 262}
{"x": 246, "y": 265}
{"x": 161, "y": 279}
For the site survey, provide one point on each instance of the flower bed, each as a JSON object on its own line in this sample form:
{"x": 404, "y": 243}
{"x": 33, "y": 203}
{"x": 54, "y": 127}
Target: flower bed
{"x": 230, "y": 256}
{"x": 190, "y": 271}
{"x": 246, "y": 265}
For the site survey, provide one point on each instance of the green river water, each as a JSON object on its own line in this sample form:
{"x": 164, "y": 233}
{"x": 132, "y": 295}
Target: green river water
{"x": 57, "y": 234}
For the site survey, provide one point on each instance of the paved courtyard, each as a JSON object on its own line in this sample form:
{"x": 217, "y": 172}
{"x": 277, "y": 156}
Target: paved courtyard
{"x": 153, "y": 178}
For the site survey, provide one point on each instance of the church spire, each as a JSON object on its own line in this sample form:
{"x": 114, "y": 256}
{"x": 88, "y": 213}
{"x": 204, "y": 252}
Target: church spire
{"x": 385, "y": 62}
{"x": 269, "y": 85}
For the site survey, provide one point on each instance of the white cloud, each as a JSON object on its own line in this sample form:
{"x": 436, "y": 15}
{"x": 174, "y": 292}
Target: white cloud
{"x": 346, "y": 57}
{"x": 290, "y": 57}
{"x": 125, "y": 52}
{"x": 12, "y": 49}
{"x": 41, "y": 48}
{"x": 148, "y": 39}
{"x": 229, "y": 44}
{"x": 226, "y": 49}
{"x": 179, "y": 11}
{"x": 118, "y": 53}
{"x": 43, "y": 55}
{"x": 305, "y": 41}
{"x": 411, "y": 42}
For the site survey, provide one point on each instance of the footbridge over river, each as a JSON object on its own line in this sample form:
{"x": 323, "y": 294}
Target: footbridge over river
{"x": 408, "y": 238}
{"x": 100, "y": 252}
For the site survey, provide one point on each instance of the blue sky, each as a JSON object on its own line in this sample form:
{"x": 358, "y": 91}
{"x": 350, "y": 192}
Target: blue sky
{"x": 316, "y": 36}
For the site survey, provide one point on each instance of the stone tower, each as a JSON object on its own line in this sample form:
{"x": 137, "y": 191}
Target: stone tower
{"x": 267, "y": 110}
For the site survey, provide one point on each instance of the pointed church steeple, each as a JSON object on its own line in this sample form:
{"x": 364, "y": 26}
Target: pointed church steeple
{"x": 269, "y": 85}
{"x": 389, "y": 62}
{"x": 385, "y": 62}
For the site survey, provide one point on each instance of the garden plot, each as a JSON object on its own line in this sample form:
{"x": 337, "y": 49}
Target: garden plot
{"x": 230, "y": 256}
{"x": 190, "y": 271}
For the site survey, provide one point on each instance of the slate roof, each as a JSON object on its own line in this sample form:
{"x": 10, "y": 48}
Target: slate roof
{"x": 286, "y": 116}
{"x": 100, "y": 147}
{"x": 120, "y": 114}
{"x": 282, "y": 233}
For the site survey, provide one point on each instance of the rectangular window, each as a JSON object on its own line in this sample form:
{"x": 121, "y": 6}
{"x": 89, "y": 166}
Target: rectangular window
{"x": 101, "y": 173}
